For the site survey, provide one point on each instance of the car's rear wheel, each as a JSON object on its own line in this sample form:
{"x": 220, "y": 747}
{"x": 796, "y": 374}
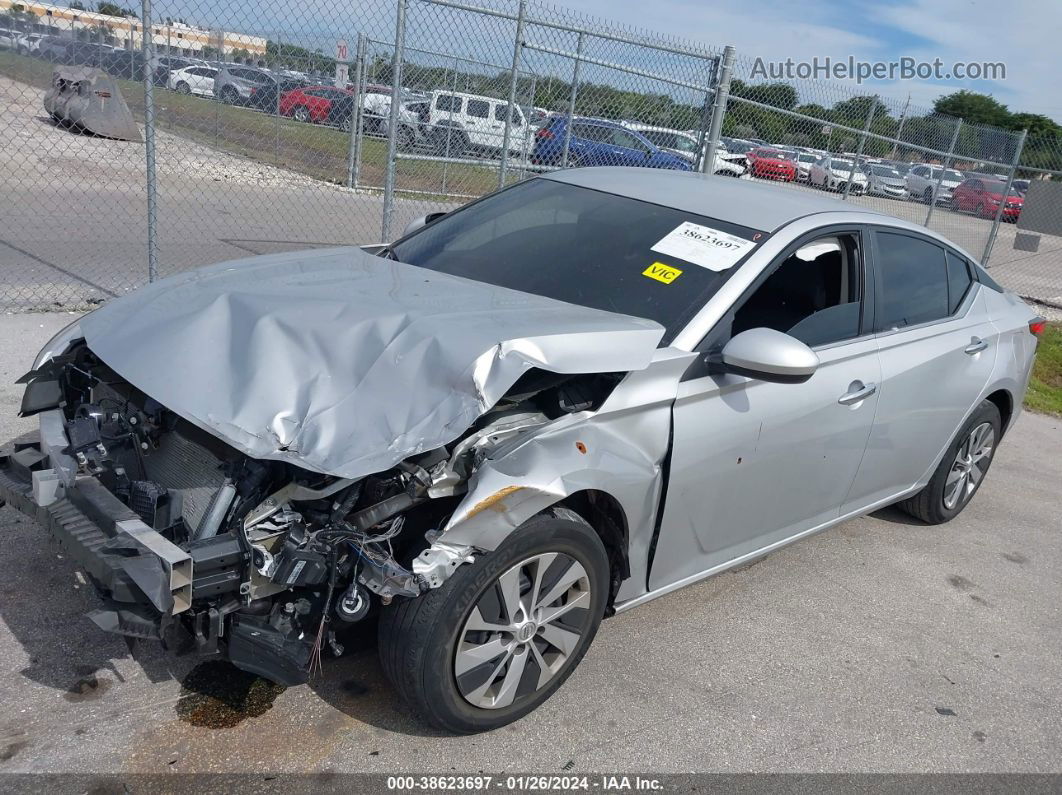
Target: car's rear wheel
{"x": 962, "y": 469}
{"x": 302, "y": 113}
{"x": 230, "y": 95}
{"x": 927, "y": 196}
{"x": 184, "y": 88}
{"x": 502, "y": 634}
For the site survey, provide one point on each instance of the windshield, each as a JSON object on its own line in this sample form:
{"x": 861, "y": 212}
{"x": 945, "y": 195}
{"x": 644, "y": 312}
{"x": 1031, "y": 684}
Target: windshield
{"x": 806, "y": 158}
{"x": 845, "y": 164}
{"x": 885, "y": 171}
{"x": 586, "y": 247}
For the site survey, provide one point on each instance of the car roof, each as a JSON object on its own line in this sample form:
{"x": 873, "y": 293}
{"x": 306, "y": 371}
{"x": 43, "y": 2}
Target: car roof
{"x": 739, "y": 201}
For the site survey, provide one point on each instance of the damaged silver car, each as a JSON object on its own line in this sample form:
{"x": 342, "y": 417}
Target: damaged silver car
{"x": 551, "y": 405}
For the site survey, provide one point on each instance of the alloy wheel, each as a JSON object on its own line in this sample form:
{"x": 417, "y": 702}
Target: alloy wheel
{"x": 523, "y": 630}
{"x": 971, "y": 462}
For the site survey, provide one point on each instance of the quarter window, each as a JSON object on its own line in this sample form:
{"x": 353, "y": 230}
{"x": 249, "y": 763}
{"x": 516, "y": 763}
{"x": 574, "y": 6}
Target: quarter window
{"x": 914, "y": 281}
{"x": 959, "y": 281}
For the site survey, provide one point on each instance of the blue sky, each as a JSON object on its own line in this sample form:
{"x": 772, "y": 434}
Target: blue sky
{"x": 1024, "y": 34}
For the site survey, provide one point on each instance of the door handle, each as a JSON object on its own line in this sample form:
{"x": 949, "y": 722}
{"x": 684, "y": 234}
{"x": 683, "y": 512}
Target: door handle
{"x": 976, "y": 346}
{"x": 848, "y": 398}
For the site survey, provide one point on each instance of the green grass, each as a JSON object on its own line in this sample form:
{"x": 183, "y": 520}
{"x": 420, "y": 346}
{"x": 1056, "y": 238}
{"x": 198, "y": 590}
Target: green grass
{"x": 1045, "y": 386}
{"x": 314, "y": 150}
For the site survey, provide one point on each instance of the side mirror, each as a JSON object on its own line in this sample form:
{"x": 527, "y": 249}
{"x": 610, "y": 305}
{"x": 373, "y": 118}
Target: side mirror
{"x": 768, "y": 355}
{"x": 422, "y": 221}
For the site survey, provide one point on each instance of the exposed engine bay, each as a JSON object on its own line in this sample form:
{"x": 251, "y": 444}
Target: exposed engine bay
{"x": 281, "y": 558}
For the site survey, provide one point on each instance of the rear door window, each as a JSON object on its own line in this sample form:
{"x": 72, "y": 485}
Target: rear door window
{"x": 477, "y": 108}
{"x": 448, "y": 102}
{"x": 913, "y": 274}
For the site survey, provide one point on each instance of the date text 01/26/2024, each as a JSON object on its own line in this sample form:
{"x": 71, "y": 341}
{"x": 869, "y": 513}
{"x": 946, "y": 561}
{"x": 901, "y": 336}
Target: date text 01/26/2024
{"x": 522, "y": 783}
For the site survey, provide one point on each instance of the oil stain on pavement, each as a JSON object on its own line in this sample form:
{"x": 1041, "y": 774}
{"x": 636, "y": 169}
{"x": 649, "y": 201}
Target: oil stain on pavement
{"x": 217, "y": 695}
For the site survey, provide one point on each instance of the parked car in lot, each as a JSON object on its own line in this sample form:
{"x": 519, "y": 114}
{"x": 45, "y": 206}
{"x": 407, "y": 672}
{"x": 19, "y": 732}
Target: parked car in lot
{"x": 562, "y": 401}
{"x": 832, "y": 173}
{"x": 688, "y": 148}
{"x": 464, "y": 122}
{"x": 596, "y": 142}
{"x": 316, "y": 103}
{"x": 124, "y": 64}
{"x": 983, "y": 197}
{"x": 737, "y": 146}
{"x": 884, "y": 180}
{"x": 28, "y": 43}
{"x": 922, "y": 180}
{"x": 804, "y": 162}
{"x": 198, "y": 80}
{"x": 1021, "y": 186}
{"x": 768, "y": 163}
{"x": 167, "y": 64}
{"x": 244, "y": 85}
{"x": 9, "y": 38}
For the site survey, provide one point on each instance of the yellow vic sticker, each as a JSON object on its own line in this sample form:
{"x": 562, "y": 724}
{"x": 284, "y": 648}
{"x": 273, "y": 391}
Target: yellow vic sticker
{"x": 662, "y": 273}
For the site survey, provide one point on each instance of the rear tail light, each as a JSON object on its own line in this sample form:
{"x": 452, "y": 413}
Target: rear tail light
{"x": 1037, "y": 326}
{"x": 544, "y": 133}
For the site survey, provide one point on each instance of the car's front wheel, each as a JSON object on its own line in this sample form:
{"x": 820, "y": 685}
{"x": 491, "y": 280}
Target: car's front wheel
{"x": 503, "y": 633}
{"x": 962, "y": 469}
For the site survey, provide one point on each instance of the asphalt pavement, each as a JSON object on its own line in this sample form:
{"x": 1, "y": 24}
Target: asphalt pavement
{"x": 879, "y": 645}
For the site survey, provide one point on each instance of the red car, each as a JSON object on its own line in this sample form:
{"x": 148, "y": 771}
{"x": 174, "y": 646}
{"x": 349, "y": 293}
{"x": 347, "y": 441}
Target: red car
{"x": 314, "y": 103}
{"x": 767, "y": 163}
{"x": 982, "y": 196}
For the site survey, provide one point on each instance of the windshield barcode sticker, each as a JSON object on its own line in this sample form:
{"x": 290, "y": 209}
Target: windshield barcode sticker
{"x": 703, "y": 246}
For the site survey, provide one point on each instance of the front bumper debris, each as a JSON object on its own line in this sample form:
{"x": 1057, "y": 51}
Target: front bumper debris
{"x": 144, "y": 579}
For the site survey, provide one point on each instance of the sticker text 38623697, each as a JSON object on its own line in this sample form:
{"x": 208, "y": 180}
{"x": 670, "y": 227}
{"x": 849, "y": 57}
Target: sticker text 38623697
{"x": 704, "y": 246}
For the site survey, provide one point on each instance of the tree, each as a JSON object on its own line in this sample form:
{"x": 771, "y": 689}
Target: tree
{"x": 77, "y": 6}
{"x": 973, "y": 108}
{"x": 110, "y": 9}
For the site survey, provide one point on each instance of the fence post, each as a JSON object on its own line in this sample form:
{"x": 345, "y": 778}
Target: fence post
{"x": 276, "y": 120}
{"x": 354, "y": 143}
{"x": 571, "y": 100}
{"x": 514, "y": 78}
{"x": 149, "y": 142}
{"x": 706, "y": 117}
{"x": 944, "y": 167}
{"x": 392, "y": 120}
{"x": 525, "y": 144}
{"x": 449, "y": 128}
{"x": 1006, "y": 194}
{"x": 862, "y": 145}
{"x": 722, "y": 93}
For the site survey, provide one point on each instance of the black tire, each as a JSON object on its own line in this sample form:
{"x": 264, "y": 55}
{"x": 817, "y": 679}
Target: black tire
{"x": 302, "y": 113}
{"x": 229, "y": 95}
{"x": 449, "y": 142}
{"x": 345, "y": 122}
{"x": 419, "y": 637}
{"x": 927, "y": 196}
{"x": 929, "y": 504}
{"x": 184, "y": 88}
{"x": 407, "y": 139}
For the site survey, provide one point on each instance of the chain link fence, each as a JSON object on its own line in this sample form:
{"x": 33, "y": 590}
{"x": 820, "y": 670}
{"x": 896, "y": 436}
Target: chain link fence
{"x": 270, "y": 128}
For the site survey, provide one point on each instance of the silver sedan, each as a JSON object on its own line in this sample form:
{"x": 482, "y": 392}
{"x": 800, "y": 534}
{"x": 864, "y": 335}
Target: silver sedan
{"x": 554, "y": 404}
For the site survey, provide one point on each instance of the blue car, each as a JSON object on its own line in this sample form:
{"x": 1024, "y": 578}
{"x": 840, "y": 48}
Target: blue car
{"x": 595, "y": 142}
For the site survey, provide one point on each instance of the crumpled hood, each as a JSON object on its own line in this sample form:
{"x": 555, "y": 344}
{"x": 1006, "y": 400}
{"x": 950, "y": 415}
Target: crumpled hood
{"x": 342, "y": 362}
